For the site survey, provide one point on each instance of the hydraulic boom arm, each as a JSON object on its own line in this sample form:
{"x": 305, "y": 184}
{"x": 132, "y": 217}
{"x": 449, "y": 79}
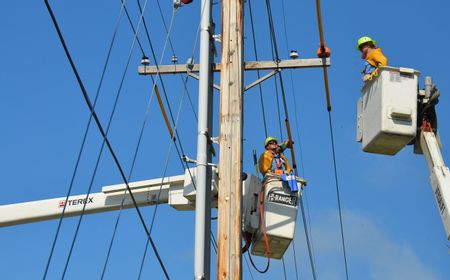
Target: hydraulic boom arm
{"x": 177, "y": 191}
{"x": 439, "y": 176}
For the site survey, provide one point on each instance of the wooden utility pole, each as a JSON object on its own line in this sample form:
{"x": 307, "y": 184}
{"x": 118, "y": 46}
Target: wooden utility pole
{"x": 231, "y": 67}
{"x": 230, "y": 159}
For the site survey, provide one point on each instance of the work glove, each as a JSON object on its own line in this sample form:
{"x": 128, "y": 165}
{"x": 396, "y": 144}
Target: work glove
{"x": 367, "y": 77}
{"x": 289, "y": 144}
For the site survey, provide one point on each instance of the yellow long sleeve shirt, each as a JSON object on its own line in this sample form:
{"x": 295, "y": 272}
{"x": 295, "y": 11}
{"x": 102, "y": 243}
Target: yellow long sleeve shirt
{"x": 376, "y": 58}
{"x": 266, "y": 160}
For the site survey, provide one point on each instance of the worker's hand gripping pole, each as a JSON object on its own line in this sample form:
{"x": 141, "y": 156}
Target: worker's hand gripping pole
{"x": 291, "y": 143}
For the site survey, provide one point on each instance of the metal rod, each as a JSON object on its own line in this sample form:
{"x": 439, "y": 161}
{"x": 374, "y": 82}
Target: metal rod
{"x": 262, "y": 79}
{"x": 203, "y": 203}
{"x": 192, "y": 75}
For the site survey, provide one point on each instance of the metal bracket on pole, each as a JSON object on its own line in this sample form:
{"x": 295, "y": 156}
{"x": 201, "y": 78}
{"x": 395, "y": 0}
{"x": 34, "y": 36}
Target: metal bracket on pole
{"x": 187, "y": 159}
{"x": 262, "y": 79}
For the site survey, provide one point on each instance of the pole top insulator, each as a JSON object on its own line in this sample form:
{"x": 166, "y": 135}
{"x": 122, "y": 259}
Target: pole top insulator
{"x": 145, "y": 61}
{"x": 293, "y": 54}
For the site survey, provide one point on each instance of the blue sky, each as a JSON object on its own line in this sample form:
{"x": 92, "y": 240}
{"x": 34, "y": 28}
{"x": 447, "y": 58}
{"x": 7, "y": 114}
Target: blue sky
{"x": 392, "y": 226}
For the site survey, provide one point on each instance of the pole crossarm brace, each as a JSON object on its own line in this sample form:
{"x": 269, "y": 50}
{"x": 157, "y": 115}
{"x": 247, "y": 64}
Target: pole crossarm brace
{"x": 262, "y": 79}
{"x": 248, "y": 66}
{"x": 197, "y": 77}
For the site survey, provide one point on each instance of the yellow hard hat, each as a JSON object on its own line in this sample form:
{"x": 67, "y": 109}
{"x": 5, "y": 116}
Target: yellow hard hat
{"x": 268, "y": 139}
{"x": 363, "y": 40}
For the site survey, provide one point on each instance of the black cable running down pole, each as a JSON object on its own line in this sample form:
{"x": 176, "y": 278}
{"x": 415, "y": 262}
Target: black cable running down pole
{"x": 102, "y": 132}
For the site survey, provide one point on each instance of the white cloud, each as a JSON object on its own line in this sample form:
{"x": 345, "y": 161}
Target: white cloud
{"x": 371, "y": 252}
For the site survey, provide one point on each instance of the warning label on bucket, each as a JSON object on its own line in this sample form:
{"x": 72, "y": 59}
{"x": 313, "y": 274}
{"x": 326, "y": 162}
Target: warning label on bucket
{"x": 290, "y": 200}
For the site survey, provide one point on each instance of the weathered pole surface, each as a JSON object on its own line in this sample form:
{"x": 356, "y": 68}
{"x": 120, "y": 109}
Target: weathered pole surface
{"x": 230, "y": 159}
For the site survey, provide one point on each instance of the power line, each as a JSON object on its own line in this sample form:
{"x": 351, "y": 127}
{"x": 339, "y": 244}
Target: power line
{"x": 165, "y": 93}
{"x": 338, "y": 194}
{"x": 295, "y": 258}
{"x": 102, "y": 132}
{"x": 134, "y": 158}
{"x": 132, "y": 27}
{"x": 327, "y": 91}
{"x": 168, "y": 30}
{"x": 257, "y": 72}
{"x": 154, "y": 212}
{"x": 83, "y": 142}
{"x": 162, "y": 182}
{"x": 284, "y": 268}
{"x": 275, "y": 48}
{"x": 299, "y": 141}
{"x": 119, "y": 91}
{"x": 132, "y": 166}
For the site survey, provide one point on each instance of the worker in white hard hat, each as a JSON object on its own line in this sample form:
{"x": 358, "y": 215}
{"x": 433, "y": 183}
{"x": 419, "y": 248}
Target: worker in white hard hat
{"x": 273, "y": 160}
{"x": 373, "y": 55}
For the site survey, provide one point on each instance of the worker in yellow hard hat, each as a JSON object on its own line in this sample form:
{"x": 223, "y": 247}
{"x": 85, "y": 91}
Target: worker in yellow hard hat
{"x": 273, "y": 160}
{"x": 372, "y": 54}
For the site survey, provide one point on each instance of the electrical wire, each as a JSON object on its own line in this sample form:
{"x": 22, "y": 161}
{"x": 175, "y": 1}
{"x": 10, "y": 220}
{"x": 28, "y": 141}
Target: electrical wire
{"x": 165, "y": 95}
{"x": 83, "y": 142}
{"x": 129, "y": 178}
{"x": 275, "y": 48}
{"x": 327, "y": 91}
{"x": 284, "y": 268}
{"x": 295, "y": 258}
{"x": 248, "y": 267}
{"x": 119, "y": 91}
{"x": 130, "y": 174}
{"x": 338, "y": 195}
{"x": 284, "y": 17}
{"x": 134, "y": 159}
{"x": 162, "y": 182}
{"x": 257, "y": 72}
{"x": 132, "y": 166}
{"x": 280, "y": 126}
{"x": 102, "y": 132}
{"x": 213, "y": 242}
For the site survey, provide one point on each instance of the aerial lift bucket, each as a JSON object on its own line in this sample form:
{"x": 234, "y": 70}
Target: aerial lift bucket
{"x": 387, "y": 111}
{"x": 392, "y": 113}
{"x": 280, "y": 208}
